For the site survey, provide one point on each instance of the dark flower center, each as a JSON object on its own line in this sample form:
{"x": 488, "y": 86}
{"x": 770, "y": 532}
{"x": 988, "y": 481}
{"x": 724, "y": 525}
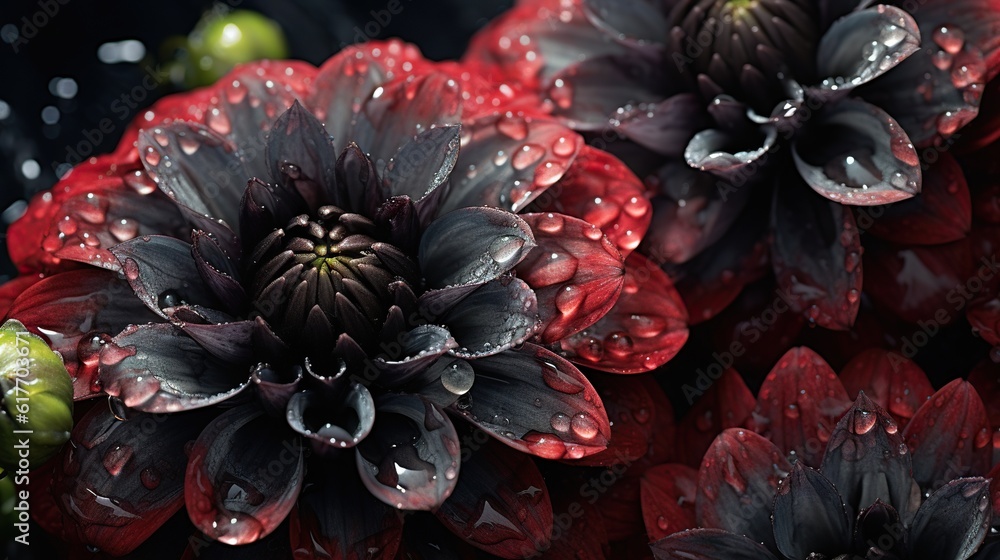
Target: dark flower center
{"x": 320, "y": 278}
{"x": 745, "y": 48}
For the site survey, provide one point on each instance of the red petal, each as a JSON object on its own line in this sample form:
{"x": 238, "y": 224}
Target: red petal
{"x": 941, "y": 213}
{"x": 10, "y": 290}
{"x": 619, "y": 501}
{"x": 716, "y": 404}
{"x": 985, "y": 377}
{"x": 576, "y": 278}
{"x": 631, "y": 410}
{"x": 985, "y": 320}
{"x": 578, "y": 532}
{"x": 737, "y": 482}
{"x": 27, "y": 237}
{"x": 75, "y": 311}
{"x": 891, "y": 381}
{"x": 950, "y": 436}
{"x": 816, "y": 253}
{"x": 191, "y": 106}
{"x": 599, "y": 188}
{"x": 645, "y": 328}
{"x": 668, "y": 494}
{"x": 799, "y": 404}
{"x": 918, "y": 283}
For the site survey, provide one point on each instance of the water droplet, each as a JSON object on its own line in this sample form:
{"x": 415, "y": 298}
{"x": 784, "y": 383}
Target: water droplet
{"x": 983, "y": 438}
{"x": 116, "y": 458}
{"x": 527, "y": 155}
{"x": 563, "y": 147}
{"x": 864, "y": 421}
{"x": 584, "y": 425}
{"x": 560, "y": 422}
{"x": 513, "y": 126}
{"x": 619, "y": 343}
{"x": 500, "y": 158}
{"x": 189, "y": 145}
{"x": 506, "y": 248}
{"x": 151, "y": 156}
{"x": 949, "y": 38}
{"x": 124, "y": 229}
{"x": 561, "y": 93}
{"x": 792, "y": 411}
{"x": 149, "y": 478}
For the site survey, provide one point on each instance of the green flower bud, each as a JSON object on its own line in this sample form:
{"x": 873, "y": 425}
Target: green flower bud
{"x": 36, "y": 413}
{"x": 223, "y": 41}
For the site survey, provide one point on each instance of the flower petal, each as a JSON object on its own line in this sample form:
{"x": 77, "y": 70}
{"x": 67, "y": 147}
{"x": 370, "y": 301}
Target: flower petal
{"x": 415, "y": 350}
{"x": 867, "y": 460}
{"x": 337, "y": 518}
{"x": 567, "y": 262}
{"x": 941, "y": 214}
{"x": 332, "y": 424}
{"x": 231, "y": 491}
{"x": 646, "y": 327}
{"x": 855, "y": 153}
{"x": 73, "y": 310}
{"x": 639, "y": 21}
{"x": 163, "y": 273}
{"x": 587, "y": 94}
{"x": 731, "y": 157}
{"x": 799, "y": 404}
{"x": 423, "y": 163}
{"x": 865, "y": 44}
{"x": 508, "y": 161}
{"x": 809, "y": 516}
{"x": 472, "y": 246}
{"x": 157, "y": 368}
{"x": 411, "y": 458}
{"x": 953, "y": 522}
{"x": 409, "y": 106}
{"x": 668, "y": 494}
{"x": 641, "y": 421}
{"x": 500, "y": 504}
{"x": 962, "y": 448}
{"x": 343, "y": 84}
{"x": 536, "y": 402}
{"x": 302, "y": 157}
{"x": 709, "y": 544}
{"x": 816, "y": 254}
{"x": 985, "y": 378}
{"x": 195, "y": 167}
{"x": 218, "y": 272}
{"x": 493, "y": 318}
{"x": 119, "y": 481}
{"x": 230, "y": 342}
{"x": 891, "y": 381}
{"x": 602, "y": 190}
{"x": 737, "y": 482}
{"x": 718, "y": 402}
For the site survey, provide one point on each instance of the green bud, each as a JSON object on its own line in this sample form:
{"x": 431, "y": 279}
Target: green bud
{"x": 37, "y": 398}
{"x": 223, "y": 41}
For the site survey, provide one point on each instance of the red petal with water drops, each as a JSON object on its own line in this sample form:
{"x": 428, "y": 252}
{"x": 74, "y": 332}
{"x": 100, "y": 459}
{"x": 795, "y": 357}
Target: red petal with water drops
{"x": 11, "y": 289}
{"x": 120, "y": 481}
{"x": 950, "y": 436}
{"x": 716, "y": 404}
{"x": 76, "y": 311}
{"x": 816, "y": 253}
{"x": 34, "y": 237}
{"x": 985, "y": 378}
{"x": 644, "y": 330}
{"x": 500, "y": 504}
{"x": 337, "y": 518}
{"x": 529, "y": 44}
{"x": 919, "y": 283}
{"x": 602, "y": 190}
{"x": 575, "y": 271}
{"x": 940, "y": 214}
{"x": 631, "y": 410}
{"x": 893, "y": 382}
{"x": 737, "y": 482}
{"x": 536, "y": 402}
{"x": 668, "y": 494}
{"x": 192, "y": 106}
{"x": 799, "y": 405}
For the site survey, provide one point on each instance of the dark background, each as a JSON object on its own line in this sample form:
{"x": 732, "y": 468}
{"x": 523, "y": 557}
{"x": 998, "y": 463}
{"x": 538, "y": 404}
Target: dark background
{"x": 66, "y": 46}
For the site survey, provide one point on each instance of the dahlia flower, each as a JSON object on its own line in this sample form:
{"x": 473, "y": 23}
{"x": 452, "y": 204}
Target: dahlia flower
{"x": 736, "y": 111}
{"x": 304, "y": 291}
{"x": 814, "y": 476}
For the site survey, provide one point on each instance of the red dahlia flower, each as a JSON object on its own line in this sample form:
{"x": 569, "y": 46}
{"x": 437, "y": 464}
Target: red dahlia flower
{"x": 299, "y": 286}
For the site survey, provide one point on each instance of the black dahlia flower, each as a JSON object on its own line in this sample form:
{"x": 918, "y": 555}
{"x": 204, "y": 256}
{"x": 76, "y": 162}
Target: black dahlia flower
{"x": 817, "y": 477}
{"x": 738, "y": 112}
{"x": 312, "y": 286}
